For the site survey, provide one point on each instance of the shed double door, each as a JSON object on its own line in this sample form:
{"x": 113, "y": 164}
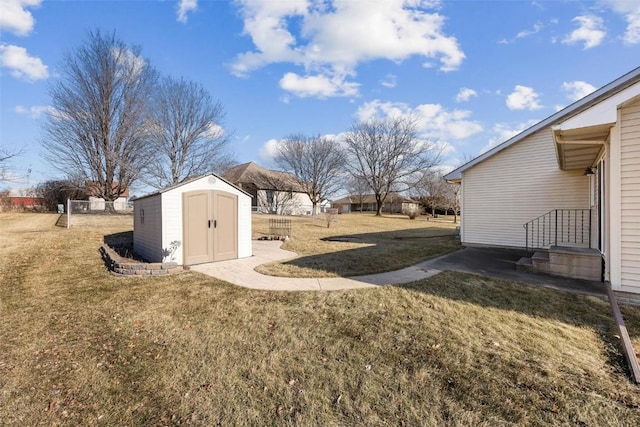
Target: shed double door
{"x": 210, "y": 226}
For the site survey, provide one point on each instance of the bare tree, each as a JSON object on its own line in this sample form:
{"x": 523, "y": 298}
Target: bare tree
{"x": 278, "y": 194}
{"x": 98, "y": 128}
{"x": 388, "y": 156}
{"x": 316, "y": 162}
{"x": 431, "y": 190}
{"x": 187, "y": 135}
{"x": 358, "y": 188}
{"x": 451, "y": 199}
{"x": 5, "y": 158}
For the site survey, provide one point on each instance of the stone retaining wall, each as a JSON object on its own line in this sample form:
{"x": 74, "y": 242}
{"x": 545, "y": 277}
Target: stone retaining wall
{"x": 129, "y": 267}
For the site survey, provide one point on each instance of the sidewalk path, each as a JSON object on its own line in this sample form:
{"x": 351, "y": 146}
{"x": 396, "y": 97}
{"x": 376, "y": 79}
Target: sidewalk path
{"x": 241, "y": 272}
{"x": 488, "y": 262}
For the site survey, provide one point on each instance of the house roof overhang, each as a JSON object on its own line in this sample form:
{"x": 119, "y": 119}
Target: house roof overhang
{"x": 580, "y": 148}
{"x": 600, "y": 113}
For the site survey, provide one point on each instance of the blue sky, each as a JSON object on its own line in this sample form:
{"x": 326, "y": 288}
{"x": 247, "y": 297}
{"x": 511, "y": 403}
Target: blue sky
{"x": 473, "y": 72}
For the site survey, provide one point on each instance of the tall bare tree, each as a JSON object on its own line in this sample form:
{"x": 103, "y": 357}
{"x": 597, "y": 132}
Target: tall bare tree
{"x": 388, "y": 155}
{"x": 98, "y": 128}
{"x": 317, "y": 163}
{"x": 5, "y": 158}
{"x": 188, "y": 139}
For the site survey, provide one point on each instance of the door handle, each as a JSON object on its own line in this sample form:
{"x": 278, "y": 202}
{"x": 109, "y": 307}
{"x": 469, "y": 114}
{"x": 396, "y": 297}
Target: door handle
{"x": 215, "y": 223}
{"x": 209, "y": 223}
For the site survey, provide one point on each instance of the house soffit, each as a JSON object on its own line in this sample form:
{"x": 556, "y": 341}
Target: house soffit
{"x": 580, "y": 148}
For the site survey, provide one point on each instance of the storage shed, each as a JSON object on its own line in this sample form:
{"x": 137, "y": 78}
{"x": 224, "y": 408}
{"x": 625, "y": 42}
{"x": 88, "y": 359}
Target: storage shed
{"x": 201, "y": 220}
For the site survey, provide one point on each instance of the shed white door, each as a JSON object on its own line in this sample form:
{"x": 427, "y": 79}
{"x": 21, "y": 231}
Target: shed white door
{"x": 210, "y": 226}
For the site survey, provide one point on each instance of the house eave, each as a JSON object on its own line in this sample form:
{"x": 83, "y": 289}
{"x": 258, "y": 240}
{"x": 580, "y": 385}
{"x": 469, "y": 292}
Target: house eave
{"x": 577, "y": 107}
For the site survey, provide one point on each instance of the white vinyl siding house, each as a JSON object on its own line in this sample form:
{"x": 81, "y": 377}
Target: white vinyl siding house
{"x": 515, "y": 186}
{"x": 630, "y": 197}
{"x": 585, "y": 157}
{"x": 158, "y": 219}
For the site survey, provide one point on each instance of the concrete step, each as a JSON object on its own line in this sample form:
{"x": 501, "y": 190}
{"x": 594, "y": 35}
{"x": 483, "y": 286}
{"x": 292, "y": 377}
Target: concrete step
{"x": 575, "y": 262}
{"x": 524, "y": 264}
{"x": 540, "y": 261}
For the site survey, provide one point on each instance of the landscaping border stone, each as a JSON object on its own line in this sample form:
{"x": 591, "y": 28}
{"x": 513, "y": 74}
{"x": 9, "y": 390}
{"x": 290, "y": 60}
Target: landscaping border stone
{"x": 128, "y": 267}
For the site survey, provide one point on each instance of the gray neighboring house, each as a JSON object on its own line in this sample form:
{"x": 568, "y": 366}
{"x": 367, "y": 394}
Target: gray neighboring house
{"x": 272, "y": 192}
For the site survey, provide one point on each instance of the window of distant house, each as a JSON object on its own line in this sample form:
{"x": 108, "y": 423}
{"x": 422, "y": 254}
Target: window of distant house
{"x": 141, "y": 216}
{"x": 269, "y": 196}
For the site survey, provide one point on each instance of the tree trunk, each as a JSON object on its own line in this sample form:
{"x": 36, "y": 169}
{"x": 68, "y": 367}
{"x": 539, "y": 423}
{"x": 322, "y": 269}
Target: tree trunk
{"x": 378, "y": 205}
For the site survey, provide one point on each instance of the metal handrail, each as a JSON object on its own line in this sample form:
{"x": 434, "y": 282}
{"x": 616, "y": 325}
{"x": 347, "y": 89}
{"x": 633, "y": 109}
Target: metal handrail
{"x": 559, "y": 227}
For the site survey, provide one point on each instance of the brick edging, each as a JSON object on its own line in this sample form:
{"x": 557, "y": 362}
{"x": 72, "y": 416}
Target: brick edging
{"x": 128, "y": 267}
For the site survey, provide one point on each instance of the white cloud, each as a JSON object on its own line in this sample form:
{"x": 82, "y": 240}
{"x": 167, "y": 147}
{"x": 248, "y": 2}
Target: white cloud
{"x": 465, "y": 94}
{"x": 213, "y": 131}
{"x": 268, "y": 152}
{"x": 503, "y": 131}
{"x": 631, "y": 11}
{"x": 184, "y": 7}
{"x": 523, "y": 98}
{"x": 434, "y": 121}
{"x": 537, "y": 27}
{"x": 35, "y": 111}
{"x": 22, "y": 66}
{"x": 590, "y": 30}
{"x": 390, "y": 81}
{"x": 577, "y": 89}
{"x": 332, "y": 38}
{"x": 319, "y": 86}
{"x": 15, "y": 17}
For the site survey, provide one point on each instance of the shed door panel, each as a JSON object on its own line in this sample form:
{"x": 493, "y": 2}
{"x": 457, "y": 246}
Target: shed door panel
{"x": 225, "y": 240}
{"x": 198, "y": 235}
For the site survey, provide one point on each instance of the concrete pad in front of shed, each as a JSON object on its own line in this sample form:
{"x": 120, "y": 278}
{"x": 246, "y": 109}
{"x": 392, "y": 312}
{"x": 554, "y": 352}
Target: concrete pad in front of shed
{"x": 242, "y": 272}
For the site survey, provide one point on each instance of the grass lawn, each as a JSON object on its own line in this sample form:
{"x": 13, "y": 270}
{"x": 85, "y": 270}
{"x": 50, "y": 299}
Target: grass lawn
{"x": 79, "y": 346}
{"x": 369, "y": 244}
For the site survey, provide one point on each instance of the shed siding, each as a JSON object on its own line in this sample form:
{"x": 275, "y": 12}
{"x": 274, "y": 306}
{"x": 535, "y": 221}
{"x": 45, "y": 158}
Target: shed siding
{"x": 630, "y": 197}
{"x": 147, "y": 238}
{"x": 515, "y": 186}
{"x": 244, "y": 226}
{"x": 172, "y": 224}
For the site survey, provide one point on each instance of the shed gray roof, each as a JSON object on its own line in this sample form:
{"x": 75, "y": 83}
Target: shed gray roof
{"x": 187, "y": 181}
{"x": 577, "y": 107}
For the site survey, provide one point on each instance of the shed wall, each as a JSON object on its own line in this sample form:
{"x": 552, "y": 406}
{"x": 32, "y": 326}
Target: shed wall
{"x": 630, "y": 198}
{"x": 244, "y": 226}
{"x": 147, "y": 238}
{"x": 515, "y": 186}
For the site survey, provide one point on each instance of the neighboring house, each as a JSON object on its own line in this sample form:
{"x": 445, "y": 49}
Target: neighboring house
{"x": 97, "y": 203}
{"x": 272, "y": 191}
{"x": 571, "y": 180}
{"x": 394, "y": 203}
{"x": 24, "y": 199}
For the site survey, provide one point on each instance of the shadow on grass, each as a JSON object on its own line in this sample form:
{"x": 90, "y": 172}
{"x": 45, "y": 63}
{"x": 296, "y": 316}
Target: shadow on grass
{"x": 536, "y": 302}
{"x": 380, "y": 252}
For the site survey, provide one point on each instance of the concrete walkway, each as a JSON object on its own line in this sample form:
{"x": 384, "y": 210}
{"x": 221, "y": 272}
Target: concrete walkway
{"x": 488, "y": 262}
{"x": 241, "y": 272}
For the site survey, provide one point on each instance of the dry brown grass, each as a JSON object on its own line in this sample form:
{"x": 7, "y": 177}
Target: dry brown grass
{"x": 79, "y": 346}
{"x": 374, "y": 244}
